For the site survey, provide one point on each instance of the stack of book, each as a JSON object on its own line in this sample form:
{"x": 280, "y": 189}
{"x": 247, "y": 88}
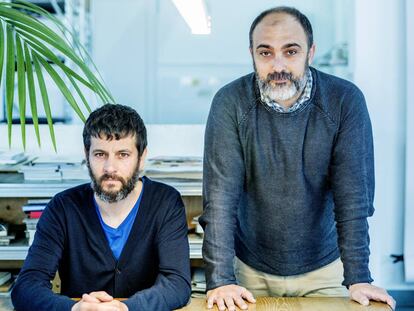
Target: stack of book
{"x": 10, "y": 161}
{"x": 197, "y": 226}
{"x": 196, "y": 243}
{"x": 55, "y": 168}
{"x": 6, "y": 283}
{"x": 5, "y": 236}
{"x": 33, "y": 210}
{"x": 198, "y": 283}
{"x": 175, "y": 168}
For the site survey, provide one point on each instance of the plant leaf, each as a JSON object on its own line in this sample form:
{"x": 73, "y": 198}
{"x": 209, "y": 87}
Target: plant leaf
{"x": 10, "y": 73}
{"x": 45, "y": 98}
{"x": 61, "y": 85}
{"x": 21, "y": 88}
{"x": 45, "y": 51}
{"x": 32, "y": 92}
{"x": 2, "y": 45}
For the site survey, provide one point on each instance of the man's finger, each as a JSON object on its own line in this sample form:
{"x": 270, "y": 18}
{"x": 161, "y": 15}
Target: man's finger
{"x": 361, "y": 298}
{"x": 220, "y": 304}
{"x": 102, "y": 296}
{"x": 240, "y": 303}
{"x": 248, "y": 296}
{"x": 89, "y": 298}
{"x": 230, "y": 303}
{"x": 384, "y": 297}
{"x": 210, "y": 301}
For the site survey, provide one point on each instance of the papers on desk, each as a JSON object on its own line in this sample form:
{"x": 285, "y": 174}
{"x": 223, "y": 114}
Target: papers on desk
{"x": 55, "y": 169}
{"x": 11, "y": 161}
{"x": 175, "y": 168}
{"x": 12, "y": 157}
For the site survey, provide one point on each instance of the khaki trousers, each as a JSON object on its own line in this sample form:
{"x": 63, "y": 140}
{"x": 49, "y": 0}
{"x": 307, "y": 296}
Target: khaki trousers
{"x": 323, "y": 282}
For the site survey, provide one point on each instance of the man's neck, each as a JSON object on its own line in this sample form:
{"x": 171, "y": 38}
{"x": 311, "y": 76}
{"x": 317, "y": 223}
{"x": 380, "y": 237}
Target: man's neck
{"x": 113, "y": 214}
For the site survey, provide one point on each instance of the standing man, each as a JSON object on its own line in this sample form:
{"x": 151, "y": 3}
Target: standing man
{"x": 120, "y": 236}
{"x": 288, "y": 176}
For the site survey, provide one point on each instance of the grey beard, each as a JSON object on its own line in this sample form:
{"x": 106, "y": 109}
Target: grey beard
{"x": 281, "y": 93}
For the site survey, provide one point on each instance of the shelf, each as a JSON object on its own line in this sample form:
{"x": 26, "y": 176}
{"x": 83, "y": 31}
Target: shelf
{"x": 16, "y": 251}
{"x": 19, "y": 252}
{"x": 14, "y": 186}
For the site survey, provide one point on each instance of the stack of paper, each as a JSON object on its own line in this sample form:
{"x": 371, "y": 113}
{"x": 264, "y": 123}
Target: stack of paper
{"x": 10, "y": 161}
{"x": 183, "y": 168}
{"x": 198, "y": 282}
{"x": 196, "y": 243}
{"x": 11, "y": 157}
{"x": 55, "y": 168}
{"x": 6, "y": 283}
{"x": 41, "y": 171}
{"x": 5, "y": 236}
{"x": 76, "y": 171}
{"x": 31, "y": 224}
{"x": 33, "y": 210}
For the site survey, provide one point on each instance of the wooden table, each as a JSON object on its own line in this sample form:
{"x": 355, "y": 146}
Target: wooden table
{"x": 296, "y": 304}
{"x": 274, "y": 304}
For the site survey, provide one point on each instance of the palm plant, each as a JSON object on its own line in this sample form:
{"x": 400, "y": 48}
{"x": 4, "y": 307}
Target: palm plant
{"x": 28, "y": 49}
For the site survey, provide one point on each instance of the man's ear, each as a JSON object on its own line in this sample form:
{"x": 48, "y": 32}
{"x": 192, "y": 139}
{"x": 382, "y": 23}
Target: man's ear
{"x": 142, "y": 159}
{"x": 311, "y": 53}
{"x": 86, "y": 154}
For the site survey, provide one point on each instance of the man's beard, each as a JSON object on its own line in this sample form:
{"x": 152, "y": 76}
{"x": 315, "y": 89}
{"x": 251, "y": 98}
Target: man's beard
{"x": 113, "y": 196}
{"x": 284, "y": 91}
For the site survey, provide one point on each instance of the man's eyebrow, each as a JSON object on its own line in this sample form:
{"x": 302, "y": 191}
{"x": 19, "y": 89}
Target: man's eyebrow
{"x": 290, "y": 45}
{"x": 286, "y": 46}
{"x": 265, "y": 46}
{"x": 124, "y": 150}
{"x": 99, "y": 150}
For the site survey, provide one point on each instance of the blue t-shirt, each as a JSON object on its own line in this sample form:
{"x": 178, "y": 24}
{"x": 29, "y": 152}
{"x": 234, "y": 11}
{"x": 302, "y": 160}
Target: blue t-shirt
{"x": 117, "y": 237}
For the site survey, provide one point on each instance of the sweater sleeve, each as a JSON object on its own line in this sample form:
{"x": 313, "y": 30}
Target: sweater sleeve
{"x": 352, "y": 179}
{"x": 172, "y": 287}
{"x": 33, "y": 289}
{"x": 223, "y": 180}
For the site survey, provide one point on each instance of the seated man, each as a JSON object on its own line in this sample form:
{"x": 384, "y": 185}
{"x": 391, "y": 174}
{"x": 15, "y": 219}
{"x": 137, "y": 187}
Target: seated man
{"x": 119, "y": 236}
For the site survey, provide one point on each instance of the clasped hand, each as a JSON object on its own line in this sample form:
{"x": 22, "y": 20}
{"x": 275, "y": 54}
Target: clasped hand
{"x": 99, "y": 301}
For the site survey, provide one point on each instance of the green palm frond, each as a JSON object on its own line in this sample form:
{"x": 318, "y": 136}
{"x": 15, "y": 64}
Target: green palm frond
{"x": 29, "y": 49}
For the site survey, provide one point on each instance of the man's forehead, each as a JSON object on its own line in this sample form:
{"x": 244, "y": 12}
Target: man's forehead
{"x": 112, "y": 140}
{"x": 281, "y": 27}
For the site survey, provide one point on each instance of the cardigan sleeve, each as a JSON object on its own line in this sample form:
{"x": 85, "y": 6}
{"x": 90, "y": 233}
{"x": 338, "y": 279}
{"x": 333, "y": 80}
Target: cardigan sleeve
{"x": 172, "y": 287}
{"x": 33, "y": 289}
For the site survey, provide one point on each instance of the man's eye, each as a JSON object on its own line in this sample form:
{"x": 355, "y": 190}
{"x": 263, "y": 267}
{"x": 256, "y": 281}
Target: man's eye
{"x": 124, "y": 155}
{"x": 291, "y": 52}
{"x": 265, "y": 53}
{"x": 99, "y": 155}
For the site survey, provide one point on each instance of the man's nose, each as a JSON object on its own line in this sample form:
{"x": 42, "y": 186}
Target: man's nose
{"x": 109, "y": 166}
{"x": 278, "y": 64}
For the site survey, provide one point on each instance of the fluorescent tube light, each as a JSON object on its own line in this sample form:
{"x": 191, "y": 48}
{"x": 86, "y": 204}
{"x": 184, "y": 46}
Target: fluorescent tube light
{"x": 195, "y": 15}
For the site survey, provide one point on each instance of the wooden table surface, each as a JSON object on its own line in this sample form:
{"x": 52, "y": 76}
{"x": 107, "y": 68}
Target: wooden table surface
{"x": 296, "y": 304}
{"x": 274, "y": 304}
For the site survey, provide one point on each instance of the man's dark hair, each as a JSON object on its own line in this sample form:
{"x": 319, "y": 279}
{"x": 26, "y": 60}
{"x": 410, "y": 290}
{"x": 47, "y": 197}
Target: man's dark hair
{"x": 115, "y": 122}
{"x": 301, "y": 18}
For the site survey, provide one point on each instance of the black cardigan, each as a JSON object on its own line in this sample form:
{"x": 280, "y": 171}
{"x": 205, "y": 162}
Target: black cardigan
{"x": 153, "y": 270}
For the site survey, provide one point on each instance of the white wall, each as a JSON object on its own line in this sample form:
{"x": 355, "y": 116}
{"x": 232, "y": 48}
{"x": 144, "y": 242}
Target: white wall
{"x": 380, "y": 73}
{"x": 151, "y": 62}
{"x": 169, "y": 140}
{"x": 409, "y": 177}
